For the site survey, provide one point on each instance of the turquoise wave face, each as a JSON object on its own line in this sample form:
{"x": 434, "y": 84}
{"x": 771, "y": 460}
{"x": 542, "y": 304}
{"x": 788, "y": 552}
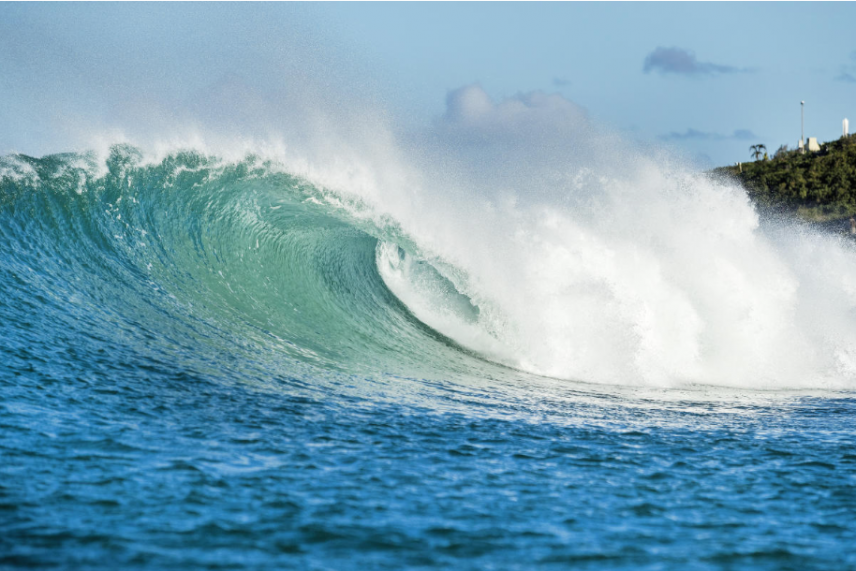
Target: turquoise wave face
{"x": 235, "y": 270}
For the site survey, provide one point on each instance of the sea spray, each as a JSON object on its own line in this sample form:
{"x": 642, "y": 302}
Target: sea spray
{"x": 518, "y": 230}
{"x": 592, "y": 260}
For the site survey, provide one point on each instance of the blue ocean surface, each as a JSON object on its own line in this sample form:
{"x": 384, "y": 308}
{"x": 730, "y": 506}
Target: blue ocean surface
{"x": 202, "y": 366}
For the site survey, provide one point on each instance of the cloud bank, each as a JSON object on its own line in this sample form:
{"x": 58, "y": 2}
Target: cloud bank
{"x": 679, "y": 61}
{"x": 530, "y": 145}
{"x": 526, "y": 114}
{"x": 695, "y": 135}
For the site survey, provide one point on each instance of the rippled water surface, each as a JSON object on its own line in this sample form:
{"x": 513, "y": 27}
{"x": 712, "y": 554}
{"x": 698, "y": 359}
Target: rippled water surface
{"x": 169, "y": 470}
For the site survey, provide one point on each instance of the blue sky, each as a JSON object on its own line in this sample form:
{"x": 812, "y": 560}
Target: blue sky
{"x": 707, "y": 79}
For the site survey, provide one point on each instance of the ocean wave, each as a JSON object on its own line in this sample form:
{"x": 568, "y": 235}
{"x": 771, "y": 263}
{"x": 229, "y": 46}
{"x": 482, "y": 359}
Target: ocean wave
{"x": 659, "y": 279}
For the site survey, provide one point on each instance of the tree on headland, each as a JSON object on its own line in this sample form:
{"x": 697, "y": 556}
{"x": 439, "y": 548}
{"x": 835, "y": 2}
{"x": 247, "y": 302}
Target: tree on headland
{"x": 757, "y": 150}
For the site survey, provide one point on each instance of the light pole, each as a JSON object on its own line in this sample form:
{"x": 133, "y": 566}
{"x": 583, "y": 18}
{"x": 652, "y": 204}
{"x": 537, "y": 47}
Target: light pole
{"x": 802, "y": 126}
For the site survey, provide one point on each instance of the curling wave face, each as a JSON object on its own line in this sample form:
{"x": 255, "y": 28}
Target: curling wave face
{"x": 662, "y": 279}
{"x": 229, "y": 269}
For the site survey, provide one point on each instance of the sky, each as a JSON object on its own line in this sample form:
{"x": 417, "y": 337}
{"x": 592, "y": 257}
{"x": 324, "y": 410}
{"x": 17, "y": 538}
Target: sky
{"x": 704, "y": 79}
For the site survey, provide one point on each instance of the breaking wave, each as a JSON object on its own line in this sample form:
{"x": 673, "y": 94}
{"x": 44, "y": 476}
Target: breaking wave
{"x": 653, "y": 276}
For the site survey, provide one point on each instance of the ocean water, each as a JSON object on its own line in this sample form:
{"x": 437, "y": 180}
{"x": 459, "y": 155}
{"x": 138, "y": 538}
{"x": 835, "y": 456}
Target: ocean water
{"x": 227, "y": 364}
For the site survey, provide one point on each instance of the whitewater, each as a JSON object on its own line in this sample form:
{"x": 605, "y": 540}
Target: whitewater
{"x": 511, "y": 340}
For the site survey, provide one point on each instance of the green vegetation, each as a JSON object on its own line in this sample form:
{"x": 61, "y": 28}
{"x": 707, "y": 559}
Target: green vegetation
{"x": 818, "y": 186}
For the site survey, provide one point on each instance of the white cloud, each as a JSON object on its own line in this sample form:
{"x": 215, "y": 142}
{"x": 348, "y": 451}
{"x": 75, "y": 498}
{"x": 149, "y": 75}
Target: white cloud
{"x": 473, "y": 117}
{"x": 529, "y": 146}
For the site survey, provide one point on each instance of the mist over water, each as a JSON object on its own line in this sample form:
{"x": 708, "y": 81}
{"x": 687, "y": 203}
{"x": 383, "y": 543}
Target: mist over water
{"x": 587, "y": 258}
{"x": 578, "y": 255}
{"x": 593, "y": 261}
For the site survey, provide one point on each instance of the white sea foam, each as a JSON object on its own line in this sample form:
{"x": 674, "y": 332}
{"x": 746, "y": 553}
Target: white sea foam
{"x": 617, "y": 267}
{"x": 586, "y": 257}
{"x": 17, "y": 170}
